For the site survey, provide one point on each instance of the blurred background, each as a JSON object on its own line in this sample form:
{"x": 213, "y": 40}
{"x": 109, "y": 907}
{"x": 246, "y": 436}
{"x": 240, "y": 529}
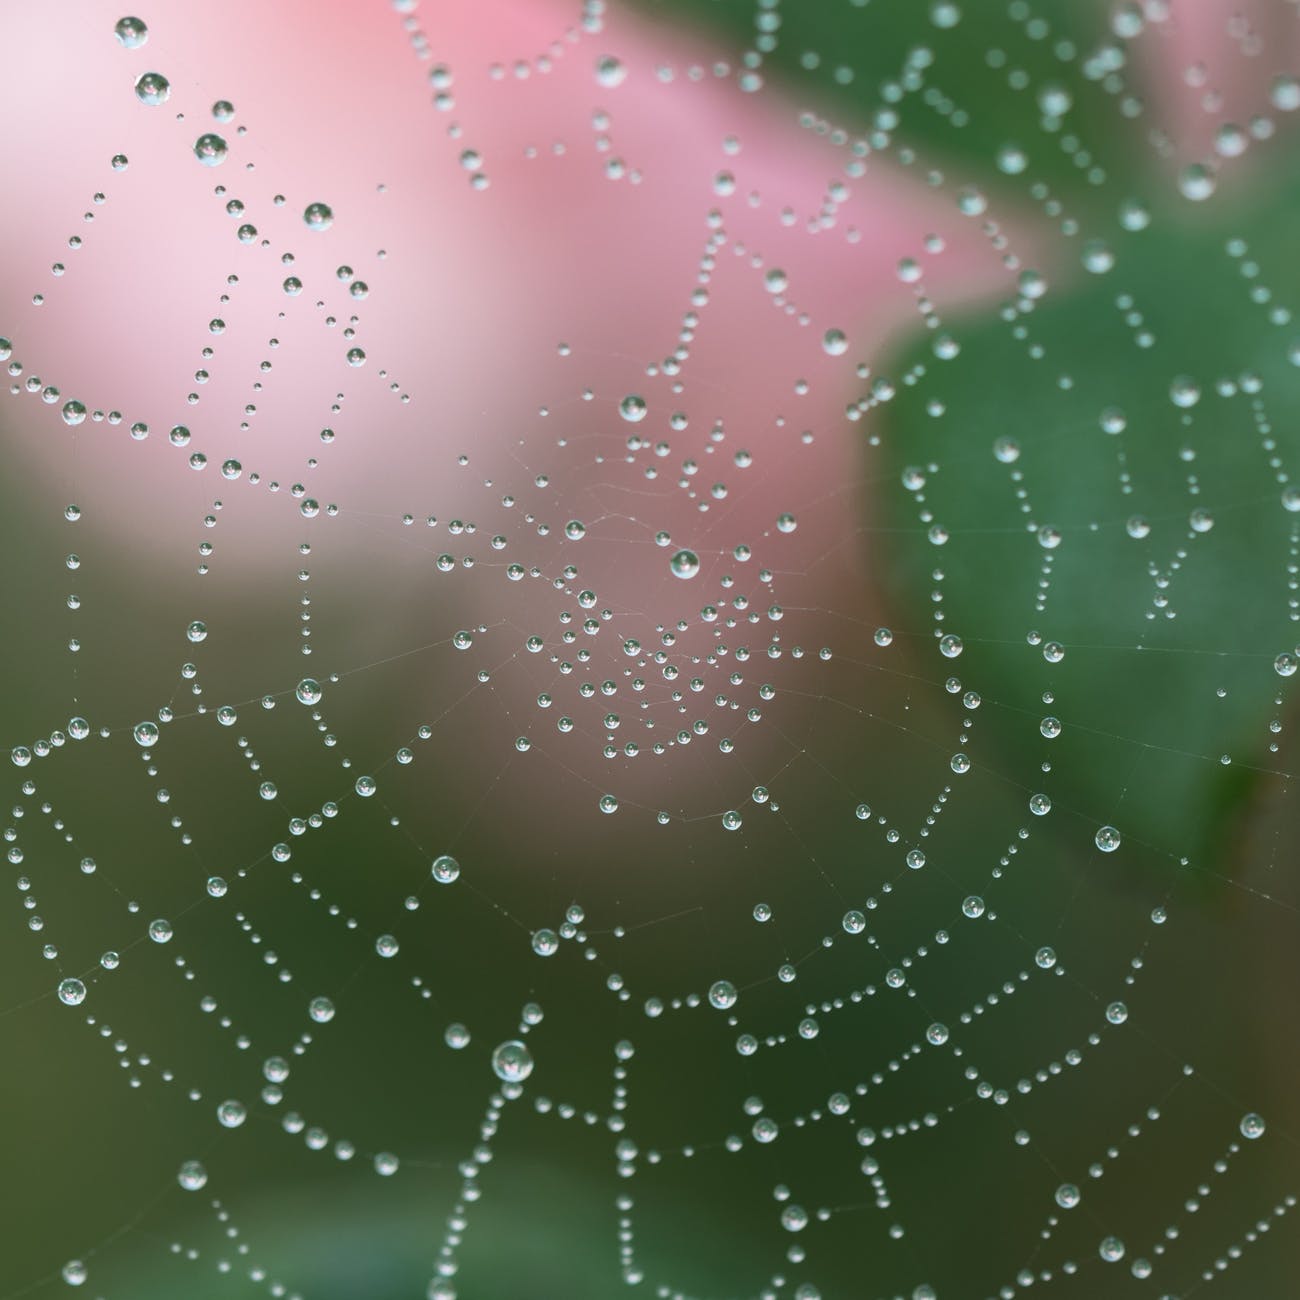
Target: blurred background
{"x": 797, "y": 503}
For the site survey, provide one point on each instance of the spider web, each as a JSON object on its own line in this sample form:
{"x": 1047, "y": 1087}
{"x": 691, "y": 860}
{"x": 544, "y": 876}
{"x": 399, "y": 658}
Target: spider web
{"x": 574, "y": 628}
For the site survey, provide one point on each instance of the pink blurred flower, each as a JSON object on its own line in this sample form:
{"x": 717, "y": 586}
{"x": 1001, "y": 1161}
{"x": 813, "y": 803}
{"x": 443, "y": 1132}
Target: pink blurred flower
{"x": 540, "y": 232}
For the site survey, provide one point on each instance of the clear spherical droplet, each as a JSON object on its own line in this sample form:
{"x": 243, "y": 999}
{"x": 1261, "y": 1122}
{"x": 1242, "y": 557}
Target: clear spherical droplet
{"x": 131, "y": 32}
{"x": 152, "y": 88}
{"x": 445, "y": 869}
{"x": 231, "y": 1114}
{"x": 722, "y": 995}
{"x": 512, "y": 1062}
{"x": 1107, "y": 839}
{"x": 318, "y": 216}
{"x": 633, "y": 408}
{"x": 210, "y": 149}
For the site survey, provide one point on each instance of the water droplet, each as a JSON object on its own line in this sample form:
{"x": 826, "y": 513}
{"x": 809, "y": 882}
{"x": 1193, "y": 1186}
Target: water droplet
{"x": 445, "y": 869}
{"x": 231, "y": 1114}
{"x": 152, "y": 88}
{"x": 1054, "y": 100}
{"x": 610, "y": 72}
{"x": 210, "y": 149}
{"x": 1012, "y": 160}
{"x": 684, "y": 564}
{"x": 1133, "y": 215}
{"x": 131, "y": 32}
{"x": 1196, "y": 182}
{"x": 1097, "y": 257}
{"x": 794, "y": 1218}
{"x": 722, "y": 995}
{"x": 318, "y": 216}
{"x": 512, "y": 1062}
{"x": 321, "y": 1010}
{"x": 1284, "y": 93}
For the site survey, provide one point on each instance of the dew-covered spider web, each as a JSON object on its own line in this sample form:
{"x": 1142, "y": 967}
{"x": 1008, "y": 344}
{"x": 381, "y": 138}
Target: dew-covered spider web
{"x": 651, "y": 649}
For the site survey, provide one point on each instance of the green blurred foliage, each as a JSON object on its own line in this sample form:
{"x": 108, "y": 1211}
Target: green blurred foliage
{"x": 1151, "y": 697}
{"x": 849, "y": 60}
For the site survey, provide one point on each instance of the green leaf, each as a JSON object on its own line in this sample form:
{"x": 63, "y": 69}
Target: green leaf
{"x": 958, "y": 93}
{"x": 1170, "y": 638}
